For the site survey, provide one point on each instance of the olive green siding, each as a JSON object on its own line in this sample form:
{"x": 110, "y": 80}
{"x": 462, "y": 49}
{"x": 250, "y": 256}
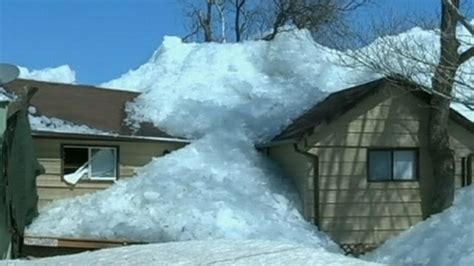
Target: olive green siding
{"x": 351, "y": 209}
{"x": 132, "y": 155}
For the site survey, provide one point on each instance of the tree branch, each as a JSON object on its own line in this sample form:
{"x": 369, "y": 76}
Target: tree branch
{"x": 466, "y": 55}
{"x": 459, "y": 16}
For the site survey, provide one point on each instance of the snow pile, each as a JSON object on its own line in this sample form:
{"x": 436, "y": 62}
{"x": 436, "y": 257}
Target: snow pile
{"x": 443, "y": 239}
{"x": 202, "y": 253}
{"x": 216, "y": 188}
{"x": 63, "y": 74}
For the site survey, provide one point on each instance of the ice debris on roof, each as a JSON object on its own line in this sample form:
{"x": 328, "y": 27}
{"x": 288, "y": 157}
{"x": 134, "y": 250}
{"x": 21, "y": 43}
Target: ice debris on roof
{"x": 218, "y": 187}
{"x": 446, "y": 238}
{"x": 62, "y": 74}
{"x": 5, "y": 96}
{"x": 51, "y": 124}
{"x": 220, "y": 252}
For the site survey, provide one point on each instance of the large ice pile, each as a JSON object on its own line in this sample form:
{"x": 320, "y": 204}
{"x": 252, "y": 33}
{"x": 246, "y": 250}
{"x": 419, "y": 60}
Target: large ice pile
{"x": 228, "y": 96}
{"x": 414, "y": 54}
{"x": 218, "y": 187}
{"x": 258, "y": 85}
{"x": 443, "y": 239}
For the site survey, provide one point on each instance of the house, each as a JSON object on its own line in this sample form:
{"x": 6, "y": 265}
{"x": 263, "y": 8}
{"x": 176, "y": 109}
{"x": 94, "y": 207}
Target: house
{"x": 359, "y": 158}
{"x": 360, "y": 161}
{"x": 82, "y": 141}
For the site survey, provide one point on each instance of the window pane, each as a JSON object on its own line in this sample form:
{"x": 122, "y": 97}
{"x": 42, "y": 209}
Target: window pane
{"x": 74, "y": 158}
{"x": 404, "y": 165}
{"x": 103, "y": 162}
{"x": 379, "y": 165}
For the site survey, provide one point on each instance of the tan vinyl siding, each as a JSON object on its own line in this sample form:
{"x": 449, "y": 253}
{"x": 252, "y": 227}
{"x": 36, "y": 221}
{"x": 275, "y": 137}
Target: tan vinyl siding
{"x": 352, "y": 209}
{"x": 375, "y": 210}
{"x": 462, "y": 142}
{"x": 301, "y": 169}
{"x": 132, "y": 155}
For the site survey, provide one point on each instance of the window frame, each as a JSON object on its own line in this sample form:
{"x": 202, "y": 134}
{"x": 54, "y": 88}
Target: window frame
{"x": 392, "y": 150}
{"x": 89, "y": 147}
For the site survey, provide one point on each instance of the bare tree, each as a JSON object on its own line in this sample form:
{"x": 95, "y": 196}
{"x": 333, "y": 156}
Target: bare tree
{"x": 254, "y": 16}
{"x": 200, "y": 19}
{"x": 314, "y": 15}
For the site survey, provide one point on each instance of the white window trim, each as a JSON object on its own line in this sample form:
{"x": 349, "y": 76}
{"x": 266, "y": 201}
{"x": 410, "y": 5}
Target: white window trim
{"x": 89, "y": 166}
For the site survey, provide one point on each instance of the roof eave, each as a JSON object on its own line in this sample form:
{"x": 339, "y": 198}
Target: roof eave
{"x": 106, "y": 137}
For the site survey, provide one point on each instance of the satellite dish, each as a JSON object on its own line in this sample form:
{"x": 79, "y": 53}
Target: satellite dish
{"x": 8, "y": 72}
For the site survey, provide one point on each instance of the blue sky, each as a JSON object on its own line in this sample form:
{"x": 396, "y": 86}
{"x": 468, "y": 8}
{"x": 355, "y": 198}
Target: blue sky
{"x": 103, "y": 39}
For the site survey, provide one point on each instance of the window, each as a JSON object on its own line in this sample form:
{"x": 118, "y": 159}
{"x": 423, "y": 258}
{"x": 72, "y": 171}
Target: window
{"x": 92, "y": 163}
{"x": 392, "y": 164}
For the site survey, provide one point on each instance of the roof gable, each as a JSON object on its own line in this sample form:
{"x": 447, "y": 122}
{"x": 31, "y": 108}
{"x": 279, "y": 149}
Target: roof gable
{"x": 339, "y": 103}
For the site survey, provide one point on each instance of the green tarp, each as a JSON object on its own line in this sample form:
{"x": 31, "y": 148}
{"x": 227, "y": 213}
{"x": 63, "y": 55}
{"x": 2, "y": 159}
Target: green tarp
{"x": 5, "y": 236}
{"x": 18, "y": 171}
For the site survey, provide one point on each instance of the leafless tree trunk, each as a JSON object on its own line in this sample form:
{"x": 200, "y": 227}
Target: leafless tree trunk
{"x": 441, "y": 153}
{"x": 238, "y": 5}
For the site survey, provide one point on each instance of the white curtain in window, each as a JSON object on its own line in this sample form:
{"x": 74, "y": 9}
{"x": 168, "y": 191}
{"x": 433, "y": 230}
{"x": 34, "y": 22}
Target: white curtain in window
{"x": 103, "y": 162}
{"x": 404, "y": 165}
{"x": 81, "y": 172}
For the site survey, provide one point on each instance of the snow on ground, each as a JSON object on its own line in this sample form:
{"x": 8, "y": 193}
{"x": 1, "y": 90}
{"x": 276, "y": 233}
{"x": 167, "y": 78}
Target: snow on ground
{"x": 446, "y": 238}
{"x": 202, "y": 253}
{"x": 216, "y": 188}
{"x": 63, "y": 74}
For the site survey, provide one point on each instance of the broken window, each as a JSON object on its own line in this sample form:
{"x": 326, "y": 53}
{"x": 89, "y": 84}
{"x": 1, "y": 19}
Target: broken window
{"x": 89, "y": 163}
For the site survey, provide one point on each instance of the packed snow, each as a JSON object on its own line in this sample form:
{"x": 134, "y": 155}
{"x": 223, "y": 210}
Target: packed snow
{"x": 218, "y": 252}
{"x": 62, "y": 74}
{"x": 446, "y": 238}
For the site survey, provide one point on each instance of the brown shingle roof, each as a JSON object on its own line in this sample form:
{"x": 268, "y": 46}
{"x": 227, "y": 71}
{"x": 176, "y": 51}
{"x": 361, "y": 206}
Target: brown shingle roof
{"x": 85, "y": 105}
{"x": 338, "y": 103}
